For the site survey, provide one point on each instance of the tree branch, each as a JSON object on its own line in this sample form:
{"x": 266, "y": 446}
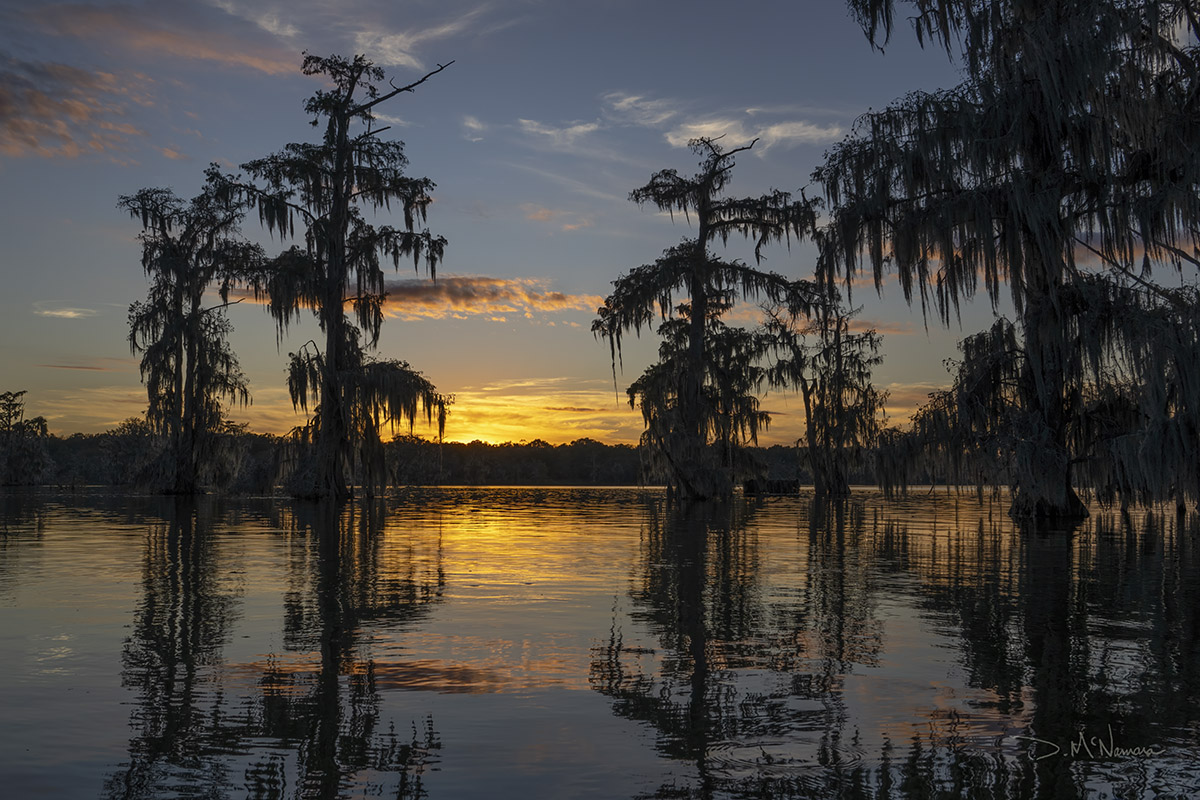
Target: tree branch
{"x": 395, "y": 91}
{"x": 226, "y": 304}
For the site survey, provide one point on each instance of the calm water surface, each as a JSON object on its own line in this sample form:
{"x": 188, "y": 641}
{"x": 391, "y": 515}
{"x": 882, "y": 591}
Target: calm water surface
{"x": 562, "y": 643}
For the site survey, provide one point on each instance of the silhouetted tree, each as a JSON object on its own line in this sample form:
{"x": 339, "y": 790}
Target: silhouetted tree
{"x": 326, "y": 187}
{"x": 831, "y": 366}
{"x": 187, "y": 364}
{"x": 24, "y": 458}
{"x": 1075, "y": 130}
{"x": 701, "y": 391}
{"x": 700, "y": 467}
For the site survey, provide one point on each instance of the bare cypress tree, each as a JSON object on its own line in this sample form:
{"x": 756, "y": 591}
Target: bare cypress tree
{"x": 188, "y": 248}
{"x": 1075, "y": 128}
{"x": 701, "y": 392}
{"x": 326, "y": 187}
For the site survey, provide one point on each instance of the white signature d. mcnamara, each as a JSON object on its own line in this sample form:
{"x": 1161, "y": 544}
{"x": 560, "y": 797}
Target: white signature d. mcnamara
{"x": 1084, "y": 746}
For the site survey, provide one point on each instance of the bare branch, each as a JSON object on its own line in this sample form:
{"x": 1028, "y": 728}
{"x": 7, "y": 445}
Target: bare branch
{"x": 396, "y": 90}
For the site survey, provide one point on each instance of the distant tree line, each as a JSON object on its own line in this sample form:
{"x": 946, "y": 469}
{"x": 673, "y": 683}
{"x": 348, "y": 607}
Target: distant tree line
{"x": 135, "y": 455}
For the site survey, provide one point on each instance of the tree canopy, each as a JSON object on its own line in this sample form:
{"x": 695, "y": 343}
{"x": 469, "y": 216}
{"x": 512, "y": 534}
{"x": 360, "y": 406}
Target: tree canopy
{"x": 1067, "y": 152}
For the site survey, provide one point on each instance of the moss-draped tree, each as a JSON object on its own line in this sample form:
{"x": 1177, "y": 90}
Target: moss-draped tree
{"x": 1074, "y": 131}
{"x": 830, "y": 364}
{"x": 188, "y": 249}
{"x": 701, "y": 393}
{"x": 325, "y": 188}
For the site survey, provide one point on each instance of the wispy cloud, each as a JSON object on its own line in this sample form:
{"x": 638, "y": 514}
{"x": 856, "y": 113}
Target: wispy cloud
{"x": 391, "y": 120}
{"x": 163, "y": 30}
{"x": 99, "y": 364}
{"x": 582, "y": 187}
{"x": 399, "y": 49}
{"x": 537, "y": 213}
{"x": 563, "y": 137}
{"x": 268, "y": 20}
{"x": 576, "y": 138}
{"x": 58, "y": 111}
{"x": 44, "y": 308}
{"x": 738, "y": 132}
{"x": 638, "y": 110}
{"x": 738, "y": 127}
{"x": 565, "y": 220}
{"x": 474, "y": 129}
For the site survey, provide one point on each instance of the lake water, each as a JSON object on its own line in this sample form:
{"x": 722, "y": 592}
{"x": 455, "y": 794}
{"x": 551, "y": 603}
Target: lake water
{"x": 576, "y": 643}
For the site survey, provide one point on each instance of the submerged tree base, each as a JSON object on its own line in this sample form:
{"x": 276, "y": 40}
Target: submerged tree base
{"x": 1044, "y": 508}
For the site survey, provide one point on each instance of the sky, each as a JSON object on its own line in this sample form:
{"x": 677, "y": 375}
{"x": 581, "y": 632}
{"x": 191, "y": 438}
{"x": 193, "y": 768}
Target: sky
{"x": 551, "y": 113}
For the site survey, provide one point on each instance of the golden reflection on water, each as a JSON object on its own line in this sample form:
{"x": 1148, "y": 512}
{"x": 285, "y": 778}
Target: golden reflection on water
{"x": 522, "y": 641}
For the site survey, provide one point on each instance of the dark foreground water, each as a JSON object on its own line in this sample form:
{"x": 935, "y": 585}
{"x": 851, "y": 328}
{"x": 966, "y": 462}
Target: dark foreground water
{"x": 557, "y": 643}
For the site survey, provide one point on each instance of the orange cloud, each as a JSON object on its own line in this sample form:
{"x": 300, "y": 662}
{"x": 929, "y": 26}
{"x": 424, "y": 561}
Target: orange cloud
{"x": 59, "y": 111}
{"x": 463, "y": 296}
{"x": 470, "y": 295}
{"x": 539, "y": 214}
{"x": 536, "y": 213}
{"x": 879, "y": 326}
{"x": 160, "y": 34}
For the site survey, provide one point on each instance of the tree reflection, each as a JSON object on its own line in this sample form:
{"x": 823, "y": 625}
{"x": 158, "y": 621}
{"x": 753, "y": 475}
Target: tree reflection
{"x": 304, "y": 724}
{"x": 22, "y": 519}
{"x": 745, "y": 683}
{"x": 761, "y": 681}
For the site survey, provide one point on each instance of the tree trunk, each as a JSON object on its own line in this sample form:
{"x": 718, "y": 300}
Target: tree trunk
{"x": 332, "y": 436}
{"x": 1042, "y": 485}
{"x": 185, "y": 444}
{"x": 703, "y": 478}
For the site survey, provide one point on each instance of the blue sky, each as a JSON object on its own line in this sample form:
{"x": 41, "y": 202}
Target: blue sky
{"x": 551, "y": 114}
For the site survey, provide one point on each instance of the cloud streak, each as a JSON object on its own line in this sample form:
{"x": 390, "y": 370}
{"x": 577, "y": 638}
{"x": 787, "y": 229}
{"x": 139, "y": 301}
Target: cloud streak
{"x": 464, "y": 296}
{"x": 399, "y": 49}
{"x": 536, "y": 213}
{"x": 54, "y": 311}
{"x": 159, "y": 30}
{"x": 564, "y": 137}
{"x": 638, "y": 110}
{"x": 738, "y": 127}
{"x": 97, "y": 365}
{"x": 59, "y": 111}
{"x": 737, "y": 133}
